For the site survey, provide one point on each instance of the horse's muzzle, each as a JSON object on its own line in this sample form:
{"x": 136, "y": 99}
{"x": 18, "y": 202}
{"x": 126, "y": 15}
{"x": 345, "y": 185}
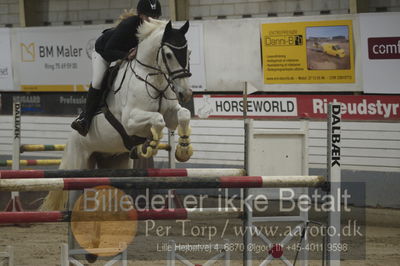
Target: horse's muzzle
{"x": 185, "y": 96}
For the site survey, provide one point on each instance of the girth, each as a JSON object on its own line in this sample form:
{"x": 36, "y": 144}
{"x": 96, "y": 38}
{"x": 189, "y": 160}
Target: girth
{"x": 129, "y": 141}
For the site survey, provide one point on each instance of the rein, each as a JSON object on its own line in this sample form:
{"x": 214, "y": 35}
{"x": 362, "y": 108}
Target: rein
{"x": 161, "y": 93}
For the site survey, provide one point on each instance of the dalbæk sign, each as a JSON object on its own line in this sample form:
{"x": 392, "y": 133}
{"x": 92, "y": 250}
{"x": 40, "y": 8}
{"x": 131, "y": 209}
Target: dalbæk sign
{"x": 297, "y": 106}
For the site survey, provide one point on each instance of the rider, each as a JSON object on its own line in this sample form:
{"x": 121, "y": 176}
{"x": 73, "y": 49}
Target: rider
{"x": 114, "y": 44}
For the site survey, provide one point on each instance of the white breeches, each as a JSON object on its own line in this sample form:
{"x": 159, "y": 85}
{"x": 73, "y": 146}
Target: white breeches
{"x": 99, "y": 67}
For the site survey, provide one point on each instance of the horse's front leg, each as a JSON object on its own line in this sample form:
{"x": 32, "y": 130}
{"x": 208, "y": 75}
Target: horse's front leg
{"x": 181, "y": 118}
{"x": 143, "y": 121}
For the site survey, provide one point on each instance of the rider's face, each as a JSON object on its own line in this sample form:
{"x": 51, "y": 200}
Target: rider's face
{"x": 146, "y": 18}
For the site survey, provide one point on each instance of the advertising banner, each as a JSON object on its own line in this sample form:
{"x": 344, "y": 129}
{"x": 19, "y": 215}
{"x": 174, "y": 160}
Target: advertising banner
{"x": 297, "y": 106}
{"x": 308, "y": 52}
{"x": 54, "y": 59}
{"x": 50, "y": 103}
{"x": 59, "y": 58}
{"x": 6, "y": 78}
{"x": 44, "y": 103}
{"x": 380, "y": 50}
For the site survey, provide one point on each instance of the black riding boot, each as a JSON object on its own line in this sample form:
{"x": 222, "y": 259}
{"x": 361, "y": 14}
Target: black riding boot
{"x": 82, "y": 123}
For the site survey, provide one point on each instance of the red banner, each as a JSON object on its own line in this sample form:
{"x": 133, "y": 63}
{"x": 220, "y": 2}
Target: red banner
{"x": 367, "y": 107}
{"x": 384, "y": 48}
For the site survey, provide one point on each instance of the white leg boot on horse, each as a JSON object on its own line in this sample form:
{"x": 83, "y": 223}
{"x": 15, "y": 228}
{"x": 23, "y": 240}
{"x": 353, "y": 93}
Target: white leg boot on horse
{"x": 184, "y": 148}
{"x": 180, "y": 118}
{"x": 141, "y": 119}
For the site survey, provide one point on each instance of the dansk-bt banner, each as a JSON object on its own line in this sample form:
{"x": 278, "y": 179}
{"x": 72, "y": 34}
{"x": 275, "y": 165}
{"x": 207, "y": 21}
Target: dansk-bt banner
{"x": 6, "y": 79}
{"x": 54, "y": 59}
{"x": 354, "y": 107}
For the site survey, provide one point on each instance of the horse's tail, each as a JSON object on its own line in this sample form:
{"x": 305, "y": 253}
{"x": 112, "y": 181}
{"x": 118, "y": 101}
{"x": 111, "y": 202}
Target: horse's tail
{"x": 58, "y": 200}
{"x": 55, "y": 201}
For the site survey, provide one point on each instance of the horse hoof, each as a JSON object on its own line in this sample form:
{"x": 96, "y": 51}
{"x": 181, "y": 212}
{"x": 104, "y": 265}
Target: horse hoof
{"x": 147, "y": 154}
{"x": 91, "y": 258}
{"x": 133, "y": 154}
{"x": 156, "y": 136}
{"x": 183, "y": 154}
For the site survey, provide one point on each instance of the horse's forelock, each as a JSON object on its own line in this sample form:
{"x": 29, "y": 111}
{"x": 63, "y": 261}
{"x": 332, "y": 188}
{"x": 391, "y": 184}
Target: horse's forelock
{"x": 147, "y": 28}
{"x": 176, "y": 38}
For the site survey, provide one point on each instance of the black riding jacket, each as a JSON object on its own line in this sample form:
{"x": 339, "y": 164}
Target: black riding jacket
{"x": 115, "y": 43}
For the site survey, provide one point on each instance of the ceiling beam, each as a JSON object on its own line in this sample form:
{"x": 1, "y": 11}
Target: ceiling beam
{"x": 358, "y": 6}
{"x": 179, "y": 9}
{"x": 22, "y": 20}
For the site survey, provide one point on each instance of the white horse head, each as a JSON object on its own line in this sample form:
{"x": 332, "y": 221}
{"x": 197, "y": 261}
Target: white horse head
{"x": 165, "y": 49}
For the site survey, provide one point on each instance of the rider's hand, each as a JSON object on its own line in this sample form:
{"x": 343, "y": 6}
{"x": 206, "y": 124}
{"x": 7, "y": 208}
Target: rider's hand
{"x": 132, "y": 53}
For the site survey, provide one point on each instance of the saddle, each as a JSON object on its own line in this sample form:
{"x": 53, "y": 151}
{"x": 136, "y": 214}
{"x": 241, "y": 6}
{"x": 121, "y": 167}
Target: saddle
{"x": 107, "y": 82}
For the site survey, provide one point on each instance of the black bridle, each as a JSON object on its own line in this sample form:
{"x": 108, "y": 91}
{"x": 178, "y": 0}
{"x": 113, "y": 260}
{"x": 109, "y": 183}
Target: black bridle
{"x": 184, "y": 72}
{"x": 170, "y": 76}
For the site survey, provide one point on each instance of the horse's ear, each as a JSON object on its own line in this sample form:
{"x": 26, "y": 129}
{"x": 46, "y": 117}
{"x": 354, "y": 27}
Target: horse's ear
{"x": 184, "y": 28}
{"x": 168, "y": 29}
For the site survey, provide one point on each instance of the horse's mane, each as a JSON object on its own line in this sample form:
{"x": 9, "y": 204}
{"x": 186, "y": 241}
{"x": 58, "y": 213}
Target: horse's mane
{"x": 147, "y": 28}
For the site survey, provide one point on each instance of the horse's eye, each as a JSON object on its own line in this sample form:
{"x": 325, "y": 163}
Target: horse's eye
{"x": 169, "y": 55}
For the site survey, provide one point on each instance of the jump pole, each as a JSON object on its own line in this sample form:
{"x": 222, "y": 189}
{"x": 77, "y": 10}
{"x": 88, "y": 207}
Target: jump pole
{"x": 247, "y": 212}
{"x": 15, "y": 204}
{"x": 94, "y": 173}
{"x": 61, "y": 147}
{"x": 49, "y": 184}
{"x": 140, "y": 215}
{"x": 172, "y": 146}
{"x": 334, "y": 181}
{"x": 31, "y": 162}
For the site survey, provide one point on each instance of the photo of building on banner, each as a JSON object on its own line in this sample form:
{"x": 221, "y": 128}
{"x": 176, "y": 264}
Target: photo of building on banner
{"x": 308, "y": 52}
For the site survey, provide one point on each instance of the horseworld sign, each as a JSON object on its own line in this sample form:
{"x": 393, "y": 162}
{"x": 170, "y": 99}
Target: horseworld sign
{"x": 233, "y": 106}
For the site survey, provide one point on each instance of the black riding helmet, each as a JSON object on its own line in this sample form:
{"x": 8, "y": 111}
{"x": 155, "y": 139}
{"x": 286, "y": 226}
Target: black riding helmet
{"x": 150, "y": 8}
